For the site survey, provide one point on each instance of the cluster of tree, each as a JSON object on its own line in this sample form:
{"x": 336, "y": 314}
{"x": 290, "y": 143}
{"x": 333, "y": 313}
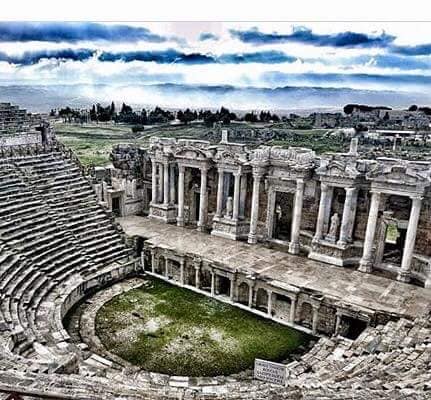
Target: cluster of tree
{"x": 102, "y": 114}
{"x": 349, "y": 108}
{"x": 425, "y": 110}
{"x": 143, "y": 117}
{"x": 264, "y": 116}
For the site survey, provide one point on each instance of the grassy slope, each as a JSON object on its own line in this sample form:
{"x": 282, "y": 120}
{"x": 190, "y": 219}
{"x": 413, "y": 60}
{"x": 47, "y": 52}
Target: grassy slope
{"x": 93, "y": 142}
{"x": 175, "y": 331}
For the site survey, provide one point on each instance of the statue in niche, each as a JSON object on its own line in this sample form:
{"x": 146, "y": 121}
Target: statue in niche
{"x": 333, "y": 228}
{"x": 229, "y": 207}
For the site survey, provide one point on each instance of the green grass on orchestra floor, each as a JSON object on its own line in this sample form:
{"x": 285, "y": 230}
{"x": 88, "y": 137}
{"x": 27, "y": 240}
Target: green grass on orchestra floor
{"x": 167, "y": 329}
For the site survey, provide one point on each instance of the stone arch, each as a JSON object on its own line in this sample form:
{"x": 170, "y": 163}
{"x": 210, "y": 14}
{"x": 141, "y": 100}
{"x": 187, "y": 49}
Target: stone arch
{"x": 160, "y": 264}
{"x": 306, "y": 315}
{"x": 243, "y": 293}
{"x": 281, "y": 306}
{"x": 262, "y": 299}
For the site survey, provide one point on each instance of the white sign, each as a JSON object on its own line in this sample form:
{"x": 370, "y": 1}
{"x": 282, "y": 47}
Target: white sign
{"x": 269, "y": 371}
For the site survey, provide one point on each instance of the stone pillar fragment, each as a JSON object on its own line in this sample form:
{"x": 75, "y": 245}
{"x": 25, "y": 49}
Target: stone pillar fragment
{"x": 348, "y": 216}
{"x": 203, "y": 201}
{"x": 323, "y": 205}
{"x": 292, "y": 310}
{"x": 404, "y": 275}
{"x": 153, "y": 182}
{"x": 296, "y": 221}
{"x": 220, "y": 189}
{"x": 172, "y": 184}
{"x": 166, "y": 183}
{"x": 160, "y": 185}
{"x": 242, "y": 196}
{"x": 180, "y": 217}
{"x": 254, "y": 209}
{"x": 365, "y": 264}
{"x": 236, "y": 195}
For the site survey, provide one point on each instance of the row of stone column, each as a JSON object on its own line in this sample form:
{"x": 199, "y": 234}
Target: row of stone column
{"x": 348, "y": 218}
{"x": 163, "y": 183}
{"x": 239, "y": 195}
{"x": 366, "y": 262}
{"x": 203, "y": 201}
{"x": 294, "y": 245}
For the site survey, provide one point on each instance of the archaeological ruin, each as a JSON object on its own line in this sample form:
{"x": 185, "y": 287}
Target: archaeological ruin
{"x": 334, "y": 245}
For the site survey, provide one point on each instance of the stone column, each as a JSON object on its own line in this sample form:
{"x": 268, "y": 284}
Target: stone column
{"x": 160, "y": 185}
{"x": 197, "y": 276}
{"x": 153, "y": 262}
{"x": 409, "y": 246}
{"x": 250, "y": 295}
{"x": 292, "y": 310}
{"x": 166, "y": 183}
{"x": 232, "y": 288}
{"x": 296, "y": 220}
{"x": 203, "y": 200}
{"x": 212, "y": 283}
{"x": 254, "y": 209}
{"x": 172, "y": 184}
{"x": 315, "y": 318}
{"x": 220, "y": 193}
{"x": 153, "y": 182}
{"x": 348, "y": 216}
{"x": 327, "y": 216}
{"x": 180, "y": 217}
{"x": 166, "y": 268}
{"x": 242, "y": 196}
{"x": 269, "y": 310}
{"x": 365, "y": 265}
{"x": 323, "y": 205}
{"x": 182, "y": 272}
{"x": 236, "y": 196}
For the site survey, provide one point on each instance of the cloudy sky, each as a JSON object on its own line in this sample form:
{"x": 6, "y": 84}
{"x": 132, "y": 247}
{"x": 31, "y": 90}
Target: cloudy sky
{"x": 126, "y": 58}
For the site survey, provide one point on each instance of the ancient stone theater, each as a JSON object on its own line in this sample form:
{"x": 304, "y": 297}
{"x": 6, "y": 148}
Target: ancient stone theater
{"x": 334, "y": 245}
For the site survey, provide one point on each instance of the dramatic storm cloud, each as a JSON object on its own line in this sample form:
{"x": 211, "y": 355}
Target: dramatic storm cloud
{"x": 74, "y": 32}
{"x": 306, "y": 36}
{"x": 195, "y": 63}
{"x": 171, "y": 56}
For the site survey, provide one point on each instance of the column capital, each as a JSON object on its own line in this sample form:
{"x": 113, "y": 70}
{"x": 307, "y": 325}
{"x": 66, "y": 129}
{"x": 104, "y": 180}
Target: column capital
{"x": 300, "y": 183}
{"x": 350, "y": 190}
{"x": 324, "y": 187}
{"x": 416, "y": 198}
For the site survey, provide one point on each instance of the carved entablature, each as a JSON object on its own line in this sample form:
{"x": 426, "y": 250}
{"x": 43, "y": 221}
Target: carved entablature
{"x": 399, "y": 176}
{"x": 343, "y": 171}
{"x": 228, "y": 158}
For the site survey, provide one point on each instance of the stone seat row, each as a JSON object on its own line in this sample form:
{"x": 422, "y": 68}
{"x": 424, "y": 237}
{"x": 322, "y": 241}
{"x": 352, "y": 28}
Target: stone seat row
{"x": 44, "y": 246}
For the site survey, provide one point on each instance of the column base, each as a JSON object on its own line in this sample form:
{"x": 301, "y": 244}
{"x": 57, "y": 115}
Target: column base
{"x": 252, "y": 238}
{"x": 294, "y": 248}
{"x": 404, "y": 276}
{"x": 428, "y": 283}
{"x": 365, "y": 266}
{"x": 180, "y": 221}
{"x": 230, "y": 228}
{"x": 163, "y": 212}
{"x": 201, "y": 228}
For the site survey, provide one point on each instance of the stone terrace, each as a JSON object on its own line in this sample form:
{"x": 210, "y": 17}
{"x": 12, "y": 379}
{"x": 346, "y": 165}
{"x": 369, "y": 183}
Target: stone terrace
{"x": 281, "y": 269}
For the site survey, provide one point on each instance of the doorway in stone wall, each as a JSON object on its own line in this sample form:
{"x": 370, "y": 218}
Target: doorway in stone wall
{"x": 394, "y": 240}
{"x": 283, "y": 213}
{"x": 116, "y": 210}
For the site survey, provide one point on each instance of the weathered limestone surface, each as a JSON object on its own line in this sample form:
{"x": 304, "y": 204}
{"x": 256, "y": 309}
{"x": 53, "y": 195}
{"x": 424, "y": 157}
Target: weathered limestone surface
{"x": 278, "y": 268}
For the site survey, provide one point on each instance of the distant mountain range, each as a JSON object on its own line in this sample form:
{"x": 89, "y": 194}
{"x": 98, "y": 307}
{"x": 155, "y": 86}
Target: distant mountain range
{"x": 288, "y": 98}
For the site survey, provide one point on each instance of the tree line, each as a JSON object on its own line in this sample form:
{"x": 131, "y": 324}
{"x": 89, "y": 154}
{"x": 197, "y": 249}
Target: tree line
{"x": 126, "y": 114}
